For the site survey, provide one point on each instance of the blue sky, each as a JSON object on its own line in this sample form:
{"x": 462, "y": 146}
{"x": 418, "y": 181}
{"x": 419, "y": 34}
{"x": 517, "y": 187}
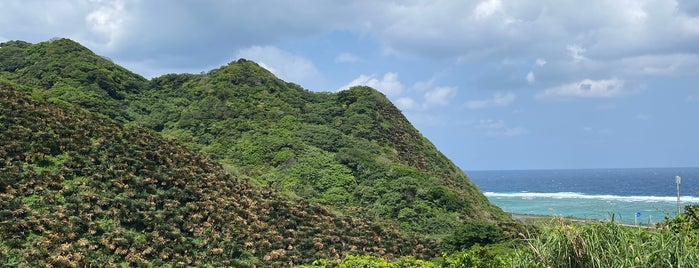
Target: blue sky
{"x": 494, "y": 84}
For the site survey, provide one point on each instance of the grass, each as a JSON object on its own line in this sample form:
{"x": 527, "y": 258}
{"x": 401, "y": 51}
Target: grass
{"x": 563, "y": 242}
{"x": 593, "y": 244}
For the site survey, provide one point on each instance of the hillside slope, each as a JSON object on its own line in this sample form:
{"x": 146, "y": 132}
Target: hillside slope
{"x": 352, "y": 150}
{"x": 68, "y": 71}
{"x": 78, "y": 189}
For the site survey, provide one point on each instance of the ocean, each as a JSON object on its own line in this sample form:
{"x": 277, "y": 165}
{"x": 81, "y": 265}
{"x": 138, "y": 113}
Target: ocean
{"x": 638, "y": 195}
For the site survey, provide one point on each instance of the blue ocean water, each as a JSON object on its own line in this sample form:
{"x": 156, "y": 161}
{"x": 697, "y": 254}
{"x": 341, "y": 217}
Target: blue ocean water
{"x": 642, "y": 195}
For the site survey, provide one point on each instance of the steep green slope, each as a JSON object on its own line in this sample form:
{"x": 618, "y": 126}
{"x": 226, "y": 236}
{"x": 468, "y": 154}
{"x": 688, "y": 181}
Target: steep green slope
{"x": 352, "y": 150}
{"x": 79, "y": 189}
{"x": 66, "y": 70}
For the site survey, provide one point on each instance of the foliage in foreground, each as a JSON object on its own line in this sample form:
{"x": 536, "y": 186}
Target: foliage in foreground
{"x": 564, "y": 244}
{"x": 476, "y": 256}
{"x": 560, "y": 243}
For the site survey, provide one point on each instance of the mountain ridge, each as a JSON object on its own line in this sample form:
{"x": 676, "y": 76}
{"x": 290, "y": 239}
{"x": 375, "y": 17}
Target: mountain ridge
{"x": 352, "y": 151}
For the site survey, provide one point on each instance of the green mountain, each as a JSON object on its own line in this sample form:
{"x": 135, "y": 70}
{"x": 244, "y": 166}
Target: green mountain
{"x": 275, "y": 145}
{"x": 79, "y": 189}
{"x": 66, "y": 70}
{"x": 352, "y": 150}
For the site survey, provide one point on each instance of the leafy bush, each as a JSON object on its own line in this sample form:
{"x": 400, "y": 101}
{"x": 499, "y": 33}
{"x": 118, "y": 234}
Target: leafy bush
{"x": 688, "y": 221}
{"x": 471, "y": 233}
{"x": 478, "y": 256}
{"x": 370, "y": 261}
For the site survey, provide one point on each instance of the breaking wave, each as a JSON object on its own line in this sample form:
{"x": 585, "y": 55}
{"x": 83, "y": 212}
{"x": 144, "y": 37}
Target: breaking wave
{"x": 572, "y": 195}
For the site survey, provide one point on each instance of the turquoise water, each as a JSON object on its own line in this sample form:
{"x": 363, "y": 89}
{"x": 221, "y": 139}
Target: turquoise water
{"x": 652, "y": 210}
{"x": 631, "y": 195}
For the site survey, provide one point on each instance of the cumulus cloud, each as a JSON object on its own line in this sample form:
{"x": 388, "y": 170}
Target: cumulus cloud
{"x": 499, "y": 128}
{"x": 406, "y": 103}
{"x": 99, "y": 24}
{"x": 388, "y": 84}
{"x": 498, "y": 100}
{"x": 439, "y": 96}
{"x": 530, "y": 77}
{"x": 487, "y": 8}
{"x": 576, "y": 52}
{"x": 283, "y": 64}
{"x": 107, "y": 21}
{"x": 540, "y": 62}
{"x": 188, "y": 33}
{"x": 605, "y": 88}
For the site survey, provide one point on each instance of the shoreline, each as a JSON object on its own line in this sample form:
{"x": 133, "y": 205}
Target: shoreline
{"x": 534, "y": 219}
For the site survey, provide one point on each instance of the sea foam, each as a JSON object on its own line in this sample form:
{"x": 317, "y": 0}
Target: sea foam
{"x": 573, "y": 195}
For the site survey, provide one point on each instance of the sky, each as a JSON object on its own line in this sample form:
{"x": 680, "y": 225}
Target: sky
{"x": 494, "y": 84}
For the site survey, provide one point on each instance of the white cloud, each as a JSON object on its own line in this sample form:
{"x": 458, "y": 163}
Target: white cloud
{"x": 346, "y": 58}
{"x": 540, "y": 62}
{"x": 530, "y": 77}
{"x": 487, "y": 8}
{"x": 432, "y": 95}
{"x": 606, "y": 88}
{"x": 439, "y": 96}
{"x": 283, "y": 64}
{"x": 406, "y": 103}
{"x": 187, "y": 34}
{"x": 388, "y": 84}
{"x": 498, "y": 100}
{"x": 576, "y": 52}
{"x": 499, "y": 128}
{"x": 107, "y": 20}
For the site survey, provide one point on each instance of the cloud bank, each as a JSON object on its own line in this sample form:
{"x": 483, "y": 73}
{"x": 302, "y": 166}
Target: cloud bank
{"x": 187, "y": 32}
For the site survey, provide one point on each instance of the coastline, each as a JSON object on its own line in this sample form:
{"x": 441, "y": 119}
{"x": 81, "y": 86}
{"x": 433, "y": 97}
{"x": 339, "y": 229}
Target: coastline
{"x": 538, "y": 219}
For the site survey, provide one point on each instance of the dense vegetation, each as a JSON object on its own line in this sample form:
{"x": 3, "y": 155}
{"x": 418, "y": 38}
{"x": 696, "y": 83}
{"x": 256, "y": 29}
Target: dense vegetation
{"x": 351, "y": 150}
{"x": 229, "y": 167}
{"x": 79, "y": 189}
{"x": 234, "y": 167}
{"x": 560, "y": 243}
{"x": 65, "y": 70}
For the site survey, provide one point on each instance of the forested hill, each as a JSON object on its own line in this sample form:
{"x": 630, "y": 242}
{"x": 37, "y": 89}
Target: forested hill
{"x": 352, "y": 150}
{"x": 78, "y": 189}
{"x": 66, "y": 70}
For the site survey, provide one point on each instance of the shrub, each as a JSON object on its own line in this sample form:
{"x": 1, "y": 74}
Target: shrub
{"x": 471, "y": 233}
